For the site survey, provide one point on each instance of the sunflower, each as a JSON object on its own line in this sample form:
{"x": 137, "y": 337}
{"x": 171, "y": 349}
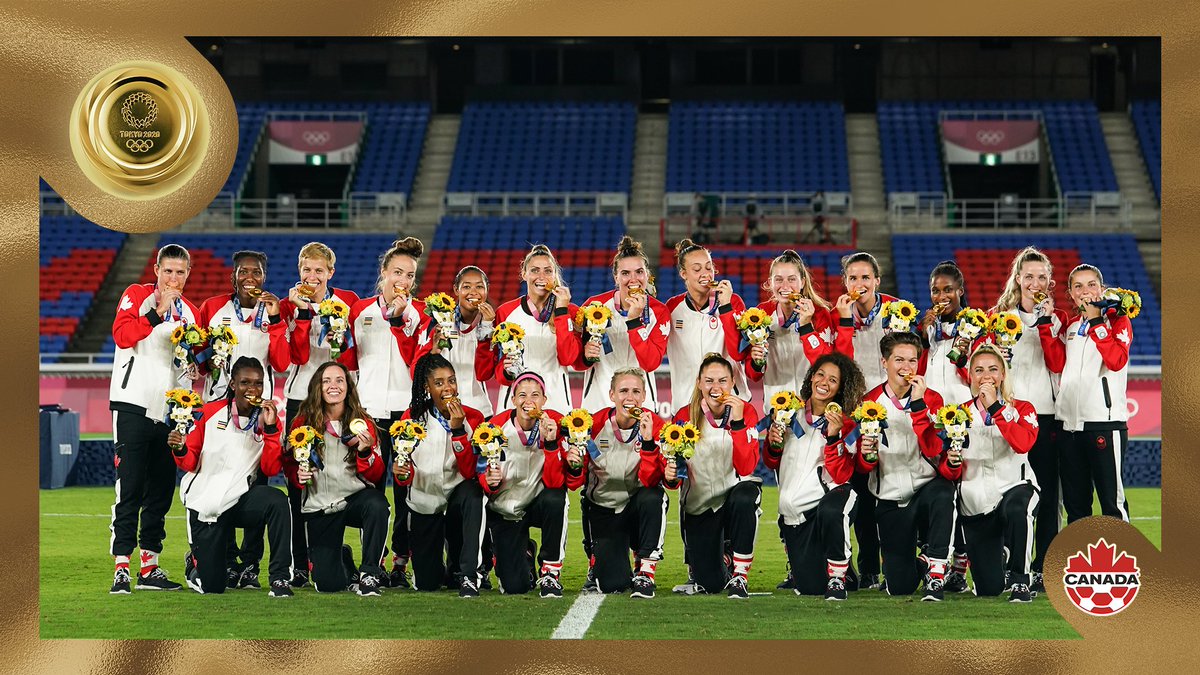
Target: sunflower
{"x": 1005, "y": 323}
{"x": 870, "y": 411}
{"x": 1011, "y": 324}
{"x": 781, "y": 401}
{"x": 690, "y": 433}
{"x": 188, "y": 399}
{"x": 902, "y": 309}
{"x": 577, "y": 421}
{"x": 416, "y": 430}
{"x": 753, "y": 318}
{"x": 177, "y": 334}
{"x": 300, "y": 436}
{"x": 973, "y": 316}
{"x": 398, "y": 427}
{"x": 485, "y": 434}
{"x": 598, "y": 313}
{"x": 440, "y": 302}
{"x": 672, "y": 434}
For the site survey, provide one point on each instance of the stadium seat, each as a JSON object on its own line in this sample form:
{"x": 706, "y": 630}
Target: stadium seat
{"x": 74, "y": 257}
{"x": 1147, "y": 121}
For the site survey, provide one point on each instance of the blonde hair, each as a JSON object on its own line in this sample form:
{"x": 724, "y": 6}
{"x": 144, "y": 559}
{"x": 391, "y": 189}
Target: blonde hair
{"x": 1011, "y": 296}
{"x": 790, "y": 257}
{"x": 315, "y": 250}
{"x": 542, "y": 249}
{"x": 635, "y": 372}
{"x": 695, "y": 409}
{"x": 986, "y": 349}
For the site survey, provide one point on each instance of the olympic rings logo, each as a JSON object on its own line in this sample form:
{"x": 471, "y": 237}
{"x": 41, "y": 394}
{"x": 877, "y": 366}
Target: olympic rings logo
{"x": 139, "y": 98}
{"x": 989, "y": 137}
{"x": 139, "y": 144}
{"x": 316, "y": 137}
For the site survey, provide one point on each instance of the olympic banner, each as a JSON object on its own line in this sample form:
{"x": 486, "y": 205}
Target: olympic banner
{"x": 1144, "y": 398}
{"x": 1001, "y": 141}
{"x": 296, "y": 142}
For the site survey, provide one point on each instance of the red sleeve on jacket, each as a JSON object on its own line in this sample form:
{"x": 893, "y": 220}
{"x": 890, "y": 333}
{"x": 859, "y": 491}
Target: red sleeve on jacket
{"x": 1054, "y": 347}
{"x": 485, "y": 361}
{"x": 130, "y": 327}
{"x": 420, "y": 342}
{"x": 652, "y": 464}
{"x": 650, "y": 351}
{"x": 569, "y": 343}
{"x": 928, "y": 440}
{"x": 733, "y": 337}
{"x": 1116, "y": 340}
{"x": 371, "y": 466}
{"x": 1021, "y": 433}
{"x": 465, "y": 458}
{"x": 278, "y": 351}
{"x": 298, "y": 340}
{"x": 502, "y": 313}
{"x": 843, "y": 333}
{"x": 951, "y": 473}
{"x": 289, "y": 462}
{"x": 839, "y": 462}
{"x": 745, "y": 442}
{"x": 812, "y": 335}
{"x": 272, "y": 455}
{"x": 349, "y": 357}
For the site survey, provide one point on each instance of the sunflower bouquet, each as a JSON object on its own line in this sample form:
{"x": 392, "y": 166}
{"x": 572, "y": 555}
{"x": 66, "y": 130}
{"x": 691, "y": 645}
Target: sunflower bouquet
{"x": 221, "y": 340}
{"x": 755, "y": 327}
{"x": 679, "y": 445}
{"x": 953, "y": 421}
{"x": 184, "y": 338}
{"x": 872, "y": 420}
{"x": 971, "y": 324}
{"x": 440, "y": 307}
{"x": 406, "y": 436}
{"x": 1006, "y": 328}
{"x": 1123, "y": 300}
{"x": 898, "y": 315}
{"x": 489, "y": 441}
{"x": 578, "y": 425}
{"x": 304, "y": 442}
{"x": 181, "y": 409}
{"x": 334, "y": 316}
{"x": 510, "y": 338}
{"x": 784, "y": 407}
{"x": 594, "y": 318}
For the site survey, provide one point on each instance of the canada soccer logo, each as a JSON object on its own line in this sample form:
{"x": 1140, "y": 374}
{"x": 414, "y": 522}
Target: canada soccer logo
{"x": 1101, "y": 582}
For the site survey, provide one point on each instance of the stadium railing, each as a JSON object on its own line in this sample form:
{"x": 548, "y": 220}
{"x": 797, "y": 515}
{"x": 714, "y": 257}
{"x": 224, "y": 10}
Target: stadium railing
{"x": 917, "y": 211}
{"x": 793, "y": 230}
{"x": 768, "y": 203}
{"x": 535, "y": 203}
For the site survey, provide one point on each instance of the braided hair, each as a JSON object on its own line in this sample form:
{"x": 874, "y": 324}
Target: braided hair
{"x": 422, "y": 402}
{"x": 950, "y": 270}
{"x": 242, "y": 363}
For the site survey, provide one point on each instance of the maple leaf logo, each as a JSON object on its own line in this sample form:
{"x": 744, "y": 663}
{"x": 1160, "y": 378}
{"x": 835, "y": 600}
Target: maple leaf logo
{"x": 1123, "y": 336}
{"x": 1032, "y": 419}
{"x": 827, "y": 335}
{"x": 665, "y": 328}
{"x": 126, "y": 303}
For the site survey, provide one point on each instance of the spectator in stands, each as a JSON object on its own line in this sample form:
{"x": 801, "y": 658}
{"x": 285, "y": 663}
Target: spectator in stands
{"x": 253, "y": 315}
{"x": 445, "y": 503}
{"x": 528, "y": 488}
{"x": 999, "y": 493}
{"x": 819, "y": 229}
{"x": 910, "y": 476}
{"x": 222, "y": 456}
{"x": 751, "y": 235}
{"x": 337, "y": 489}
{"x": 144, "y": 368}
{"x": 719, "y": 492}
{"x": 309, "y": 350}
{"x": 623, "y": 501}
{"x": 816, "y": 502}
{"x": 707, "y": 208}
{"x": 1092, "y": 354}
{"x": 862, "y": 303}
{"x": 389, "y": 330}
{"x": 1033, "y": 380}
{"x": 546, "y": 314}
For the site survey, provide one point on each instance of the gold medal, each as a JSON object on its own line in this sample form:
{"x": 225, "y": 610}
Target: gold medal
{"x": 833, "y": 408}
{"x": 139, "y": 130}
{"x": 1039, "y": 297}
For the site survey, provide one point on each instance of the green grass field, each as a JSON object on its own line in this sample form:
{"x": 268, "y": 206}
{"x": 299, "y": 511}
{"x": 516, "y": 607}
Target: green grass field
{"x": 75, "y": 602}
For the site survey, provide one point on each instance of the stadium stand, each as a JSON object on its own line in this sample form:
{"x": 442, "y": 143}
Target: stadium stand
{"x": 1147, "y": 121}
{"x": 986, "y": 260}
{"x": 909, "y": 143}
{"x": 584, "y": 246}
{"x": 544, "y": 147}
{"x": 73, "y": 261}
{"x": 725, "y": 146}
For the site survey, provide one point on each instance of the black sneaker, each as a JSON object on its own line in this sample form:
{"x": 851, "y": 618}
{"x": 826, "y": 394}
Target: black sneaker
{"x": 869, "y": 582}
{"x": 736, "y": 587}
{"x": 835, "y": 589}
{"x": 249, "y": 577}
{"x": 956, "y": 582}
{"x": 690, "y": 588}
{"x": 1008, "y": 580}
{"x": 591, "y": 586}
{"x": 531, "y": 561}
{"x": 468, "y": 589}
{"x": 189, "y": 565}
{"x": 1020, "y": 593}
{"x": 486, "y": 583}
{"x": 789, "y": 582}
{"x": 367, "y": 585}
{"x": 232, "y": 576}
{"x": 934, "y": 589}
{"x": 156, "y": 581}
{"x": 643, "y": 587}
{"x": 398, "y": 578}
{"x": 551, "y": 586}
{"x": 1037, "y": 585}
{"x": 280, "y": 589}
{"x": 120, "y": 582}
{"x": 299, "y": 578}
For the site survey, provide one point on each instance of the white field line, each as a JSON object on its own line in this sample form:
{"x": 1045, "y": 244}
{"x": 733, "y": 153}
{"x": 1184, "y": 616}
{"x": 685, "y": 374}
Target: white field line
{"x": 579, "y": 618}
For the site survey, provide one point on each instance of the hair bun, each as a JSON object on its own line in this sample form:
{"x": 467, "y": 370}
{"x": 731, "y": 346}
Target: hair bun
{"x": 684, "y": 244}
{"x": 409, "y": 246}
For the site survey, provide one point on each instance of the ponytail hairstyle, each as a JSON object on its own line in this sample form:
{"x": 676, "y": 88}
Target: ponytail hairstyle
{"x": 243, "y": 362}
{"x": 852, "y": 386}
{"x": 409, "y": 246}
{"x": 987, "y": 348}
{"x": 790, "y": 257}
{"x": 1011, "y": 297}
{"x": 312, "y": 408}
{"x": 949, "y": 268}
{"x": 542, "y": 249}
{"x": 695, "y": 409}
{"x": 628, "y": 248}
{"x": 422, "y": 402}
{"x": 684, "y": 248}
